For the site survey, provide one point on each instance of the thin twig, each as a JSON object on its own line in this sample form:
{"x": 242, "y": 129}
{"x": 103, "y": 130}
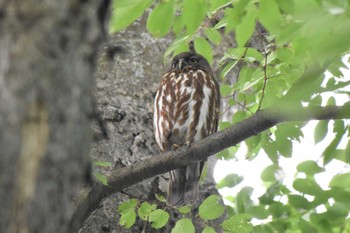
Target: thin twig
{"x": 265, "y": 81}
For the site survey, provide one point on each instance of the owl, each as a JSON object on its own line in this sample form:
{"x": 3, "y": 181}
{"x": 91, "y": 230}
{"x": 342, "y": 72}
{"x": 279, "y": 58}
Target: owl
{"x": 186, "y": 109}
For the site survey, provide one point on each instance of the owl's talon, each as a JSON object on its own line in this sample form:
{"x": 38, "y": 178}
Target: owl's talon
{"x": 187, "y": 143}
{"x": 175, "y": 146}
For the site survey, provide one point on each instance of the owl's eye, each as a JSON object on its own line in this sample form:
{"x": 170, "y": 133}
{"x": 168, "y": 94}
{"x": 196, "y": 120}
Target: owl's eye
{"x": 193, "y": 60}
{"x": 173, "y": 65}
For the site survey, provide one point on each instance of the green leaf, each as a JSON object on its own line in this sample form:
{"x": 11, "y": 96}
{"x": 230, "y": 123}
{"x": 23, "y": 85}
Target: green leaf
{"x": 225, "y": 90}
{"x": 270, "y": 149}
{"x": 102, "y": 178}
{"x": 178, "y": 24}
{"x": 243, "y": 199}
{"x": 194, "y": 13}
{"x": 340, "y": 181}
{"x": 269, "y": 173}
{"x": 347, "y": 153}
{"x": 309, "y": 167}
{"x": 258, "y": 212}
{"x": 246, "y": 27}
{"x": 203, "y": 47}
{"x": 127, "y": 11}
{"x": 213, "y": 35}
{"x": 269, "y": 15}
{"x": 128, "y": 218}
{"x": 229, "y": 181}
{"x": 253, "y": 145}
{"x": 239, "y": 116}
{"x": 299, "y": 202}
{"x": 224, "y": 124}
{"x": 125, "y": 206}
{"x": 227, "y": 153}
{"x": 184, "y": 225}
{"x": 218, "y": 4}
{"x": 271, "y": 192}
{"x": 278, "y": 210}
{"x": 211, "y": 208}
{"x": 285, "y": 147}
{"x": 161, "y": 18}
{"x": 145, "y": 209}
{"x": 331, "y": 150}
{"x": 179, "y": 42}
{"x": 158, "y": 218}
{"x": 306, "y": 227}
{"x": 228, "y": 67}
{"x": 209, "y": 230}
{"x": 340, "y": 195}
{"x": 160, "y": 198}
{"x": 103, "y": 164}
{"x": 238, "y": 223}
{"x": 184, "y": 209}
{"x": 321, "y": 131}
{"x": 307, "y": 186}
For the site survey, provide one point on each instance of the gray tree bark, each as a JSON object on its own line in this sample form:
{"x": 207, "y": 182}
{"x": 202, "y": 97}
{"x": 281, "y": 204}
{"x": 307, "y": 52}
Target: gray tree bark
{"x": 47, "y": 59}
{"x": 130, "y": 67}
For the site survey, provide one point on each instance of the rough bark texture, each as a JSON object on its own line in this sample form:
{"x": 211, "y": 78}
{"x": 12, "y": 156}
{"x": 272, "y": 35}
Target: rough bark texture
{"x": 47, "y": 59}
{"x": 129, "y": 70}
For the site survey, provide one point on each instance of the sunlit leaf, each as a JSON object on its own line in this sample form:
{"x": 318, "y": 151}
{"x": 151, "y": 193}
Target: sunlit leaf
{"x": 307, "y": 186}
{"x": 229, "y": 181}
{"x": 243, "y": 199}
{"x": 269, "y": 173}
{"x": 184, "y": 209}
{"x": 145, "y": 209}
{"x": 258, "y": 212}
{"x": 102, "y": 178}
{"x": 211, "y": 208}
{"x": 158, "y": 218}
{"x": 203, "y": 47}
{"x": 194, "y": 13}
{"x": 131, "y": 204}
{"x": 103, "y": 164}
{"x": 161, "y": 18}
{"x": 213, "y": 35}
{"x": 331, "y": 150}
{"x": 246, "y": 27}
{"x": 128, "y": 218}
{"x": 341, "y": 180}
{"x": 238, "y": 223}
{"x": 309, "y": 167}
{"x": 209, "y": 230}
{"x": 127, "y": 11}
{"x": 184, "y": 225}
{"x": 269, "y": 15}
{"x": 299, "y": 202}
{"x": 306, "y": 227}
{"x": 340, "y": 194}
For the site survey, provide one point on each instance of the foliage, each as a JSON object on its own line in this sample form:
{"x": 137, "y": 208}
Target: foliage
{"x": 210, "y": 209}
{"x": 281, "y": 61}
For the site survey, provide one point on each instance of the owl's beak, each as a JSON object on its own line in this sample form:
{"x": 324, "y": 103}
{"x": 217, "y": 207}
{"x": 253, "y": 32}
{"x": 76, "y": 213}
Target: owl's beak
{"x": 181, "y": 64}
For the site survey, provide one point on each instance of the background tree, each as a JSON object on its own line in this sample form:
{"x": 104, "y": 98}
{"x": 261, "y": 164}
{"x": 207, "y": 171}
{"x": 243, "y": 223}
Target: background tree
{"x": 47, "y": 56}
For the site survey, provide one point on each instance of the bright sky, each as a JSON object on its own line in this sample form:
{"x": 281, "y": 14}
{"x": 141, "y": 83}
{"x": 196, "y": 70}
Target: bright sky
{"x": 306, "y": 150}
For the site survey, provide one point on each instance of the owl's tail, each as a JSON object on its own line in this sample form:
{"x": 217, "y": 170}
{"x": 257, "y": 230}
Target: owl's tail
{"x": 183, "y": 185}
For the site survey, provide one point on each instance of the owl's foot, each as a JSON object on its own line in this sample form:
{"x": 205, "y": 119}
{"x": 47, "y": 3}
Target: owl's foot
{"x": 187, "y": 143}
{"x": 175, "y": 146}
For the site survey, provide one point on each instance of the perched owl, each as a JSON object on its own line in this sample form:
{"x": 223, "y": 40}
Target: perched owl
{"x": 186, "y": 109}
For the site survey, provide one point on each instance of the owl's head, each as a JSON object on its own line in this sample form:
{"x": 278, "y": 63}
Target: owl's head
{"x": 190, "y": 59}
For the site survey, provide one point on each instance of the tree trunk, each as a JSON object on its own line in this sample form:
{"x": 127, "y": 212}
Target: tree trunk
{"x": 129, "y": 71}
{"x": 47, "y": 58}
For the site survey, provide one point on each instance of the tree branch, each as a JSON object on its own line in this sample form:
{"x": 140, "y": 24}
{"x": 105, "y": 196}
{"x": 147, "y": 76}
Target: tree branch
{"x": 164, "y": 162}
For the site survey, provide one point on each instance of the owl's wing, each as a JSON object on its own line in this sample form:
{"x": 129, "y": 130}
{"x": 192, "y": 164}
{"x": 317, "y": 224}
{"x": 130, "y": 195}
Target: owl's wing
{"x": 163, "y": 112}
